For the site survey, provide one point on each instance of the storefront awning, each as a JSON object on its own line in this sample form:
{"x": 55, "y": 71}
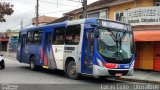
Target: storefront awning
{"x": 147, "y": 35}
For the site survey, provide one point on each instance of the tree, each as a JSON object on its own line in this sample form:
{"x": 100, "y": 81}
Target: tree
{"x": 5, "y": 9}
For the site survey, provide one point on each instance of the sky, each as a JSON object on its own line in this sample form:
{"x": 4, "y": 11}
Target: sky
{"x": 24, "y": 10}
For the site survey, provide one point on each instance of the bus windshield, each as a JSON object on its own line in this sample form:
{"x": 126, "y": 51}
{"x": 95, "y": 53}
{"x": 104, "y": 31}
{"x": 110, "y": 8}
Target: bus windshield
{"x": 115, "y": 44}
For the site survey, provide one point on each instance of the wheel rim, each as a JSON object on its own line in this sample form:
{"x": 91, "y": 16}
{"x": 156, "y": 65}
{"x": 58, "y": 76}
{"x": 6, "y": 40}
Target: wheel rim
{"x": 72, "y": 70}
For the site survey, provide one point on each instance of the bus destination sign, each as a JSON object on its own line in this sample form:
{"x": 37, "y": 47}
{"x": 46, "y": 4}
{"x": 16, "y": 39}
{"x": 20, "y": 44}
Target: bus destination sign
{"x": 111, "y": 24}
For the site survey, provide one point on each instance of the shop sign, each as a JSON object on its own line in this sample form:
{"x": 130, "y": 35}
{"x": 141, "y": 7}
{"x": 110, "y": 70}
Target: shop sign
{"x": 143, "y": 16}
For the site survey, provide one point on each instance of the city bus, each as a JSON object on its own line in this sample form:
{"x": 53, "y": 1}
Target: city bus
{"x": 91, "y": 46}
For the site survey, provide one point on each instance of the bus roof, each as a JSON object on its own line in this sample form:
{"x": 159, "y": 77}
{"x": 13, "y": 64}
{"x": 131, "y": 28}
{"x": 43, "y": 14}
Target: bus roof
{"x": 74, "y": 22}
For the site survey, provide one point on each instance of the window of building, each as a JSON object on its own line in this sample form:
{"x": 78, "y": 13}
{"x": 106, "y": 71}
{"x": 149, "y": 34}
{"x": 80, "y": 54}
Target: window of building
{"x": 119, "y": 16}
{"x": 103, "y": 14}
{"x": 95, "y": 14}
{"x": 58, "y": 37}
{"x": 98, "y": 14}
{"x": 157, "y": 3}
{"x": 70, "y": 17}
{"x": 80, "y": 16}
{"x": 37, "y": 37}
{"x": 73, "y": 35}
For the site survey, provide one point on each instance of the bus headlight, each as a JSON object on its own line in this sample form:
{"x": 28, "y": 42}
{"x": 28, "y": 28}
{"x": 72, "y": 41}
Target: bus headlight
{"x": 110, "y": 65}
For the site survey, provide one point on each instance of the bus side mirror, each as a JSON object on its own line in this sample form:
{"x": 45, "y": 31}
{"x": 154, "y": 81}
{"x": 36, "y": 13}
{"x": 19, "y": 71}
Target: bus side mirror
{"x": 96, "y": 34}
{"x": 94, "y": 25}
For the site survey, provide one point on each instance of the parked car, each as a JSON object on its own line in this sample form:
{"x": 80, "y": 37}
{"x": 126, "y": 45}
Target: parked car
{"x": 2, "y": 63}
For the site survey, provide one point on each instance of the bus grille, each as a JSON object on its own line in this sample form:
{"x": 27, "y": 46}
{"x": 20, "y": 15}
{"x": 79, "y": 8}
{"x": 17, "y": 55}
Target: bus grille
{"x": 114, "y": 72}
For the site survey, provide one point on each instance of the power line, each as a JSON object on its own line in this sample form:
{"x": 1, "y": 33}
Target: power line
{"x": 27, "y": 25}
{"x": 57, "y": 3}
{"x": 55, "y": 11}
{"x": 74, "y": 1}
{"x": 14, "y": 26}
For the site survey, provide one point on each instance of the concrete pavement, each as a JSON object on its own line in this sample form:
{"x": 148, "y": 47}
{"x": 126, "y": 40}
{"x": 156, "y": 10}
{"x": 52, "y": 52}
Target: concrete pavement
{"x": 143, "y": 76}
{"x": 20, "y": 73}
{"x": 8, "y": 54}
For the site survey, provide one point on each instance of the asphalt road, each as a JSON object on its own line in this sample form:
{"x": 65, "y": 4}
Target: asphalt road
{"x": 18, "y": 76}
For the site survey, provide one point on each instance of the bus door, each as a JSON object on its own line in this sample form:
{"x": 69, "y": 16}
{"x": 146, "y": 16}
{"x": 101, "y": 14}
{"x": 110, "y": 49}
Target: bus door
{"x": 88, "y": 51}
{"x": 58, "y": 46}
{"x": 48, "y": 59}
{"x": 21, "y": 48}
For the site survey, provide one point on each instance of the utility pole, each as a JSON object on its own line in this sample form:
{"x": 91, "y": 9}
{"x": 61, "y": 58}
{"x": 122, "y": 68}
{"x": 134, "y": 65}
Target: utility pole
{"x": 37, "y": 13}
{"x": 84, "y": 4}
{"x": 57, "y": 3}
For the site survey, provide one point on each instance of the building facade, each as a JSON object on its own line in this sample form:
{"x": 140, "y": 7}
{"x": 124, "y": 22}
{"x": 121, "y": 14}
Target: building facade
{"x": 42, "y": 20}
{"x": 143, "y": 15}
{"x": 13, "y": 40}
{"x": 9, "y": 40}
{"x": 3, "y": 42}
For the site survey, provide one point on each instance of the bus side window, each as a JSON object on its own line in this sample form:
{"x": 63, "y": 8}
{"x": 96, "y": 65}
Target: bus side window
{"x": 73, "y": 35}
{"x": 30, "y": 37}
{"x": 37, "y": 37}
{"x": 23, "y": 41}
{"x": 58, "y": 37}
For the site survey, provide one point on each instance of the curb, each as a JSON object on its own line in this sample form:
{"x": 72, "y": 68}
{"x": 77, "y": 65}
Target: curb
{"x": 139, "y": 80}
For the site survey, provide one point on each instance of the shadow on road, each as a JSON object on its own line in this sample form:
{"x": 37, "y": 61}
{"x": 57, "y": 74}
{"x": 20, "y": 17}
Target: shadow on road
{"x": 61, "y": 74}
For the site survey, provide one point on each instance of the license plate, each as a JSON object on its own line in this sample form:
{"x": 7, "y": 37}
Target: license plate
{"x": 118, "y": 74}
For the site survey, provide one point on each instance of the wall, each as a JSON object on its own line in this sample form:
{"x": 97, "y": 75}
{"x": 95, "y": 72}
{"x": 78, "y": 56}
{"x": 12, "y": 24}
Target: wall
{"x": 122, "y": 7}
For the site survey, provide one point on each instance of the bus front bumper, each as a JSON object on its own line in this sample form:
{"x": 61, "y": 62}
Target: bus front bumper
{"x": 102, "y": 71}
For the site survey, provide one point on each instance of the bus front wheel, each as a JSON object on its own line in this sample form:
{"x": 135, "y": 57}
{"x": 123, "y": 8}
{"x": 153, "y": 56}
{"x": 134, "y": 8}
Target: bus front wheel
{"x": 32, "y": 63}
{"x": 71, "y": 70}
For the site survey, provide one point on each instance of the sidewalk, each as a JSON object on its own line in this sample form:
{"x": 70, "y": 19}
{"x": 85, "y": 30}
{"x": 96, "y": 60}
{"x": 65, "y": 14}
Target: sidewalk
{"x": 8, "y": 54}
{"x": 143, "y": 76}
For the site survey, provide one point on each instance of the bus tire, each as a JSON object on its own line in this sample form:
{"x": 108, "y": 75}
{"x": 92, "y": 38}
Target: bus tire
{"x": 33, "y": 67}
{"x": 2, "y": 65}
{"x": 71, "y": 70}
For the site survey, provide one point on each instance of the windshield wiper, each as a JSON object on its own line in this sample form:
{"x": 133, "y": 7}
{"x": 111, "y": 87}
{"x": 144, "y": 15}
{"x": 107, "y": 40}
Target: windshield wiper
{"x": 115, "y": 39}
{"x": 118, "y": 39}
